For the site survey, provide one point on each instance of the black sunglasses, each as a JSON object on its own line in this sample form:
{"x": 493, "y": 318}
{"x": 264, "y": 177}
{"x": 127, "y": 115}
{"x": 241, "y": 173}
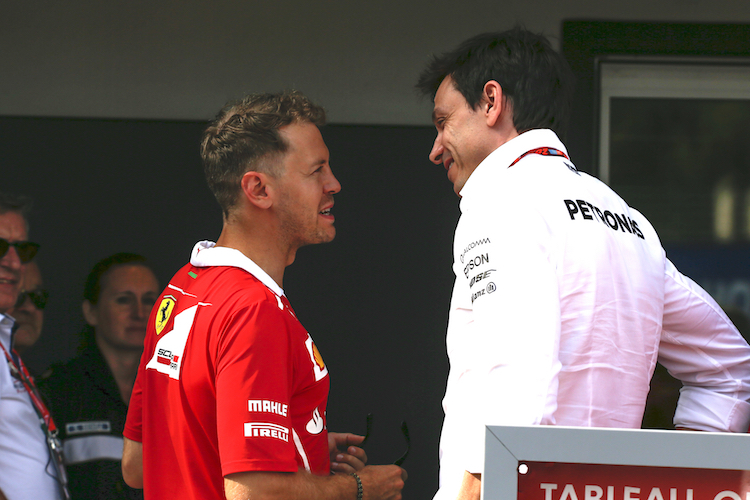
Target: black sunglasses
{"x": 38, "y": 297}
{"x": 404, "y": 431}
{"x": 26, "y": 249}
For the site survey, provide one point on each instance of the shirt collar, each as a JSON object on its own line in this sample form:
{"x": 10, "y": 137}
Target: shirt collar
{"x": 6, "y": 329}
{"x": 206, "y": 254}
{"x": 503, "y": 156}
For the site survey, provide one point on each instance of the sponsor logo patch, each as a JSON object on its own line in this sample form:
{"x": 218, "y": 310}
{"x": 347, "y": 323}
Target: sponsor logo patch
{"x": 315, "y": 425}
{"x": 164, "y": 312}
{"x": 266, "y": 430}
{"x": 94, "y": 426}
{"x": 582, "y": 210}
{"x": 319, "y": 367}
{"x": 472, "y": 245}
{"x": 266, "y": 406}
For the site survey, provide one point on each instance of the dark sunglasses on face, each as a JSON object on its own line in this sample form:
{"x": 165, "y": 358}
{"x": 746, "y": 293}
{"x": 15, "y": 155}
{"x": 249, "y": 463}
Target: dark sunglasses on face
{"x": 26, "y": 249}
{"x": 38, "y": 297}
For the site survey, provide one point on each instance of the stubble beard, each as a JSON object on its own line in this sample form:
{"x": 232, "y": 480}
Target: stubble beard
{"x": 298, "y": 232}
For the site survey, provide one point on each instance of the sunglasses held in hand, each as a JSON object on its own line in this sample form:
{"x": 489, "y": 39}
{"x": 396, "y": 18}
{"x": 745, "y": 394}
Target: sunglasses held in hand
{"x": 404, "y": 431}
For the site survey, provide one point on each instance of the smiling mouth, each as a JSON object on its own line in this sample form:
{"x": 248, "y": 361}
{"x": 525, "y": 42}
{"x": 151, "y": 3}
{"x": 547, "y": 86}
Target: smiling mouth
{"x": 448, "y": 163}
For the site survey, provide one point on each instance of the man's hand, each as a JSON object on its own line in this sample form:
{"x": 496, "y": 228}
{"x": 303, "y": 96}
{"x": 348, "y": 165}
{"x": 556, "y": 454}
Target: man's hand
{"x": 471, "y": 486}
{"x": 383, "y": 481}
{"x": 345, "y": 457}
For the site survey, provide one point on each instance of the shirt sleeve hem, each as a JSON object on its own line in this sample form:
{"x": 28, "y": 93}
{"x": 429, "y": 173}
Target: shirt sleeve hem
{"x": 132, "y": 434}
{"x": 704, "y": 410}
{"x": 257, "y": 466}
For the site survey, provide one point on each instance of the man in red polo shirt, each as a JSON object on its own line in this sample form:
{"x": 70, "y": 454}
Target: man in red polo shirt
{"x": 230, "y": 399}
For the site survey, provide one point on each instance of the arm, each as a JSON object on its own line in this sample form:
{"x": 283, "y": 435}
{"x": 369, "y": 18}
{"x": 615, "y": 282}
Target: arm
{"x": 345, "y": 457}
{"x": 701, "y": 347}
{"x": 383, "y": 482}
{"x": 132, "y": 463}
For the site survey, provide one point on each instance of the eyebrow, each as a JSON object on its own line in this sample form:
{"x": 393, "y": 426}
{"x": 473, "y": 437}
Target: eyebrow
{"x": 435, "y": 112}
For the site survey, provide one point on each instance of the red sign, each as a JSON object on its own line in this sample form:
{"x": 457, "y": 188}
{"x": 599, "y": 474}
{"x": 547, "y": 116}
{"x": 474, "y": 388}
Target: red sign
{"x": 569, "y": 481}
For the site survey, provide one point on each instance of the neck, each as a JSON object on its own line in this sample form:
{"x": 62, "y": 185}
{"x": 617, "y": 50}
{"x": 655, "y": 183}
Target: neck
{"x": 123, "y": 363}
{"x": 261, "y": 244}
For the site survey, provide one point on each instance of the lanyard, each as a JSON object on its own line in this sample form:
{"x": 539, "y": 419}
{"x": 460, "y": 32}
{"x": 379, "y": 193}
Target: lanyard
{"x": 20, "y": 373}
{"x": 543, "y": 152}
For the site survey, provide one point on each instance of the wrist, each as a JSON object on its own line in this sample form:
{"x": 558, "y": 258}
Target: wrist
{"x": 360, "y": 492}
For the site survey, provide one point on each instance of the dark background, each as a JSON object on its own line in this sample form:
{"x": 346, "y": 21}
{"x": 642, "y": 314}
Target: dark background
{"x": 375, "y": 300}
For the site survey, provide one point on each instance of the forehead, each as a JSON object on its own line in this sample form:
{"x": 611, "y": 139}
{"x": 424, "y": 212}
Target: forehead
{"x": 447, "y": 97}
{"x": 306, "y": 143}
{"x": 12, "y": 227}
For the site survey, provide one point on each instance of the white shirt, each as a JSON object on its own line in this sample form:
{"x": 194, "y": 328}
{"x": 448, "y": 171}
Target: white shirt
{"x": 26, "y": 471}
{"x": 563, "y": 301}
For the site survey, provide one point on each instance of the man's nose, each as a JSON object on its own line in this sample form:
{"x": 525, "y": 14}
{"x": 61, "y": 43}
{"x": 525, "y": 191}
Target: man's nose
{"x": 11, "y": 259}
{"x": 436, "y": 155}
{"x": 332, "y": 185}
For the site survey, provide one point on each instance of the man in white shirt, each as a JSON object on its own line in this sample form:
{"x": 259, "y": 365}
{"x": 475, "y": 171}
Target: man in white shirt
{"x": 564, "y": 298}
{"x": 28, "y": 469}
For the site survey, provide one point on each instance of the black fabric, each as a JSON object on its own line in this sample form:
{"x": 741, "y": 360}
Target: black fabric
{"x": 84, "y": 390}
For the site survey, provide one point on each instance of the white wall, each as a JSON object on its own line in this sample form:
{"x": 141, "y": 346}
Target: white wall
{"x": 161, "y": 59}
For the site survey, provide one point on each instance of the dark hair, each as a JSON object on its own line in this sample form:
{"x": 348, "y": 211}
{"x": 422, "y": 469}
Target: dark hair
{"x": 15, "y": 203}
{"x": 93, "y": 287}
{"x": 244, "y": 136}
{"x": 536, "y": 79}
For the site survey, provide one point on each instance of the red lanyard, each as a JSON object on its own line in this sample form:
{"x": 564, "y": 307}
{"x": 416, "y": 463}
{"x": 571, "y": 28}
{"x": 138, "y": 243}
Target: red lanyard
{"x": 543, "y": 152}
{"x": 21, "y": 374}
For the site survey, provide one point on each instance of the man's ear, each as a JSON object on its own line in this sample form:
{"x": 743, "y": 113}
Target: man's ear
{"x": 493, "y": 102}
{"x": 255, "y": 189}
{"x": 89, "y": 313}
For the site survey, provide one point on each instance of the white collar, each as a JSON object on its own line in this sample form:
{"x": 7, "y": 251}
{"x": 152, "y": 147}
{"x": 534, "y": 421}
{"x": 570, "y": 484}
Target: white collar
{"x": 206, "y": 254}
{"x": 503, "y": 156}
{"x": 6, "y": 327}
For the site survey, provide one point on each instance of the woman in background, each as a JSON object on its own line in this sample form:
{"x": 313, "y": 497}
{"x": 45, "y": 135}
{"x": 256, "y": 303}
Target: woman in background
{"x": 88, "y": 396}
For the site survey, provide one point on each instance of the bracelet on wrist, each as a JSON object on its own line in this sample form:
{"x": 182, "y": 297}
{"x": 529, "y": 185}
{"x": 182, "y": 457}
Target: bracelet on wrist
{"x": 359, "y": 484}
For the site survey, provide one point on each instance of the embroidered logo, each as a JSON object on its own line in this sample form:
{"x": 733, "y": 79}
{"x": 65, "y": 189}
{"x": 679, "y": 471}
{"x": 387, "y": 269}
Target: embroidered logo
{"x": 315, "y": 425}
{"x": 319, "y": 367}
{"x": 266, "y": 429}
{"x": 94, "y": 426}
{"x": 164, "y": 312}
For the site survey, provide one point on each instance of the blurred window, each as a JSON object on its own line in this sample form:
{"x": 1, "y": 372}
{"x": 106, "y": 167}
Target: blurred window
{"x": 674, "y": 141}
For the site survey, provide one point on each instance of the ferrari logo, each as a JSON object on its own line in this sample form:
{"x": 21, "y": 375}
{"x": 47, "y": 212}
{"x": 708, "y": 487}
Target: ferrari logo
{"x": 164, "y": 312}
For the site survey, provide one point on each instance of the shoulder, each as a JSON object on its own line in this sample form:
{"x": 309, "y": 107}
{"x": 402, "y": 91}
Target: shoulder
{"x": 62, "y": 380}
{"x": 63, "y": 372}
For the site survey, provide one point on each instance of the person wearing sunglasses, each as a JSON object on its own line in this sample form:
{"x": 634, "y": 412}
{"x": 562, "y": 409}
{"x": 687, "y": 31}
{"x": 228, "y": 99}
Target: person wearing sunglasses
{"x": 29, "y": 309}
{"x": 30, "y": 459}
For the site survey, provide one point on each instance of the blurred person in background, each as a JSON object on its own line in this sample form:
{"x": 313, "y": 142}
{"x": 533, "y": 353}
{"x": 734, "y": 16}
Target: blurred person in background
{"x": 30, "y": 463}
{"x": 29, "y": 308}
{"x": 89, "y": 395}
